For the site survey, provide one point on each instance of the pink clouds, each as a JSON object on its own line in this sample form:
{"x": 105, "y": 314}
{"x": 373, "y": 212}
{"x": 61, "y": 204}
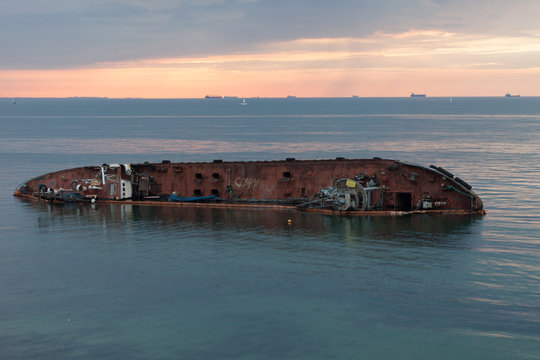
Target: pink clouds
{"x": 432, "y": 61}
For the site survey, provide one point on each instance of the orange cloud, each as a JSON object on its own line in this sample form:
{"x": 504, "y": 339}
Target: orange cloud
{"x": 185, "y": 83}
{"x": 431, "y": 61}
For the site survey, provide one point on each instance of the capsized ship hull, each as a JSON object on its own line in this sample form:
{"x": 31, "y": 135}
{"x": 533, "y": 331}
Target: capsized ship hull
{"x": 338, "y": 186}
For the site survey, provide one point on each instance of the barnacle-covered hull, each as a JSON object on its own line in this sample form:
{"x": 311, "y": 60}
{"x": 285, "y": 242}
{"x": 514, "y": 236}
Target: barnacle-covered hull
{"x": 342, "y": 186}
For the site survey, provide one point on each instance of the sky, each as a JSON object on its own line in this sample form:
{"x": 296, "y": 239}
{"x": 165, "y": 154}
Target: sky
{"x": 268, "y": 48}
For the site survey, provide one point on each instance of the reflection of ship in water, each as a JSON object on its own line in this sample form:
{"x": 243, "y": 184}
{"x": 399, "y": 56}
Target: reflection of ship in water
{"x": 413, "y": 230}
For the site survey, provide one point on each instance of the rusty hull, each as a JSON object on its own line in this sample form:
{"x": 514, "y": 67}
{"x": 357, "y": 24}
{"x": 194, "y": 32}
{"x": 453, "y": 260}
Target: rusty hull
{"x": 344, "y": 186}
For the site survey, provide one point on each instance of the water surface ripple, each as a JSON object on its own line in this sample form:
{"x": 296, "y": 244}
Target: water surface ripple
{"x": 141, "y": 282}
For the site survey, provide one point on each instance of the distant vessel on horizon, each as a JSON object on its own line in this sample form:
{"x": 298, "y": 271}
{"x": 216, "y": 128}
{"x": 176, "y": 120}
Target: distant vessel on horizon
{"x": 510, "y": 95}
{"x": 243, "y": 102}
{"x": 418, "y": 95}
{"x": 213, "y": 97}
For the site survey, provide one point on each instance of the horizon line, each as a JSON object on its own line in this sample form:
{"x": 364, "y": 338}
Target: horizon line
{"x": 290, "y": 97}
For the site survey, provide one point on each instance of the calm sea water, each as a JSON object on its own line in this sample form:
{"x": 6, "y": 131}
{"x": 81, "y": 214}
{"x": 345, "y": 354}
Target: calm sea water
{"x": 137, "y": 282}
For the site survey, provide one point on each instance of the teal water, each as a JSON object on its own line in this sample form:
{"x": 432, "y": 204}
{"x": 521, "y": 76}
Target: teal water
{"x": 137, "y": 282}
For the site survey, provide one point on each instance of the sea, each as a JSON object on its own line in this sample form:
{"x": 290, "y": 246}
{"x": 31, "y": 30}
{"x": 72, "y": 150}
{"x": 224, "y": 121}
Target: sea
{"x": 142, "y": 282}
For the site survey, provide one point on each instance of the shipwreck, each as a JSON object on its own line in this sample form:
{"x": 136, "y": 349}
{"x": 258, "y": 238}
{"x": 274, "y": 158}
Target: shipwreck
{"x": 335, "y": 186}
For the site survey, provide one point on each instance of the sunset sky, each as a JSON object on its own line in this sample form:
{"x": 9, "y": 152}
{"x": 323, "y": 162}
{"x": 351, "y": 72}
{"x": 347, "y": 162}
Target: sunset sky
{"x": 269, "y": 48}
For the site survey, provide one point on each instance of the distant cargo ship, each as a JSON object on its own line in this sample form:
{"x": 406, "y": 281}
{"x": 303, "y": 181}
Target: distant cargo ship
{"x": 510, "y": 95}
{"x": 213, "y": 97}
{"x": 418, "y": 95}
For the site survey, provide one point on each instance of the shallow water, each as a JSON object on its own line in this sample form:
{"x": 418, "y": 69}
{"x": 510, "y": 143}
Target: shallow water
{"x": 116, "y": 282}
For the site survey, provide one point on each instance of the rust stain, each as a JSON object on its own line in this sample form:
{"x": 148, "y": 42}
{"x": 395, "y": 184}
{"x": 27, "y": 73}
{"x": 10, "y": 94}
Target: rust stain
{"x": 340, "y": 186}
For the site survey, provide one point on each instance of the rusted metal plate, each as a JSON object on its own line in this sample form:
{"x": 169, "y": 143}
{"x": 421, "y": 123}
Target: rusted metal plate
{"x": 353, "y": 185}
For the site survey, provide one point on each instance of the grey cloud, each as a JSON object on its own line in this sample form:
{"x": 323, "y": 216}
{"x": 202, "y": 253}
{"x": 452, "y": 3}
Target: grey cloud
{"x": 67, "y": 33}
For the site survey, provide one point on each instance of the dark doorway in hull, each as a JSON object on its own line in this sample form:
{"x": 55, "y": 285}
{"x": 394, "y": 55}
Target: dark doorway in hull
{"x": 403, "y": 202}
